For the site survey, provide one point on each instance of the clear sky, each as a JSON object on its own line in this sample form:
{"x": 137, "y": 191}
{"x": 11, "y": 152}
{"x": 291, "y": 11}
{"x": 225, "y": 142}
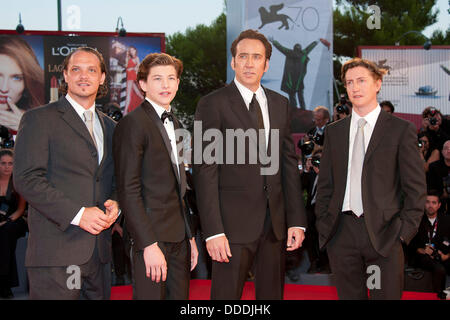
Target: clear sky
{"x": 166, "y": 16}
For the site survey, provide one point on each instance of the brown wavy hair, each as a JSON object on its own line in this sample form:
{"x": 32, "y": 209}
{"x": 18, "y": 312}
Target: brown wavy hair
{"x": 20, "y": 51}
{"x": 158, "y": 59}
{"x": 103, "y": 88}
{"x": 377, "y": 73}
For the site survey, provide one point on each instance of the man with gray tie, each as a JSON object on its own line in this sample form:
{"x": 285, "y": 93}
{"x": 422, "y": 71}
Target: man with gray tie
{"x": 371, "y": 191}
{"x": 64, "y": 169}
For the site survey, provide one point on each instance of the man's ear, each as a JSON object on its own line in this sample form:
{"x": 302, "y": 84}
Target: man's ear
{"x": 266, "y": 66}
{"x": 143, "y": 85}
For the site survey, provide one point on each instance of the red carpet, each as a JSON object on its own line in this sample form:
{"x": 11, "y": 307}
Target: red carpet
{"x": 199, "y": 290}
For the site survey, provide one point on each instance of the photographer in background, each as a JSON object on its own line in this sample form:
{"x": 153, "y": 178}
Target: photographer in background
{"x": 309, "y": 170}
{"x": 321, "y": 119}
{"x": 342, "y": 109}
{"x": 428, "y": 153}
{"x": 12, "y": 225}
{"x": 387, "y": 106}
{"x": 318, "y": 259}
{"x": 438, "y": 176}
{"x": 432, "y": 242}
{"x": 432, "y": 124}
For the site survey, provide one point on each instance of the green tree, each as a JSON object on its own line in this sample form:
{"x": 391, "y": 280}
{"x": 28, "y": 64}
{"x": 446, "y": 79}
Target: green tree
{"x": 441, "y": 38}
{"x": 203, "y": 52}
{"x": 397, "y": 17}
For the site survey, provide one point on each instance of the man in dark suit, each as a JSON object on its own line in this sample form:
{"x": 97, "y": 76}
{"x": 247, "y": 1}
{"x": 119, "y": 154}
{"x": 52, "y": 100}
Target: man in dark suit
{"x": 431, "y": 245}
{"x": 64, "y": 169}
{"x": 371, "y": 191}
{"x": 151, "y": 184}
{"x": 244, "y": 209}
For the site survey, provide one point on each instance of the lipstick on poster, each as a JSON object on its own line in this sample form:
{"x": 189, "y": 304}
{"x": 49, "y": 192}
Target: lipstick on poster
{"x": 53, "y": 89}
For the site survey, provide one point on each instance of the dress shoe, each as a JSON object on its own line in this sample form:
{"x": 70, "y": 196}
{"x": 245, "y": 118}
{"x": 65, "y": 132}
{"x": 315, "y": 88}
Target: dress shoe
{"x": 314, "y": 267}
{"x": 6, "y": 293}
{"x": 325, "y": 269}
{"x": 292, "y": 275}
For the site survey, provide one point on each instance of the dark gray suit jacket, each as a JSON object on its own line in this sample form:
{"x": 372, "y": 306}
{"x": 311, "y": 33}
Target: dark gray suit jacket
{"x": 56, "y": 170}
{"x": 233, "y": 198}
{"x": 393, "y": 182}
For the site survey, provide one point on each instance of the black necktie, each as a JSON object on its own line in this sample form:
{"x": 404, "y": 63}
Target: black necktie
{"x": 255, "y": 110}
{"x": 167, "y": 115}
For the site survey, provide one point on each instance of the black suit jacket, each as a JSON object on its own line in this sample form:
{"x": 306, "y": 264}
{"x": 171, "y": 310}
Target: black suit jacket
{"x": 56, "y": 170}
{"x": 233, "y": 198}
{"x": 150, "y": 191}
{"x": 393, "y": 182}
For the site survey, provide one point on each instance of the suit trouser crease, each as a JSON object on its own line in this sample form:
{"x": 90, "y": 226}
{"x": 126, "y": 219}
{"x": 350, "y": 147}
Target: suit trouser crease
{"x": 350, "y": 253}
{"x": 228, "y": 279}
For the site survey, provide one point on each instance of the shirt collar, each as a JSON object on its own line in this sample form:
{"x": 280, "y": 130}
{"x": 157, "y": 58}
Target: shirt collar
{"x": 159, "y": 110}
{"x": 247, "y": 94}
{"x": 78, "y": 107}
{"x": 371, "y": 117}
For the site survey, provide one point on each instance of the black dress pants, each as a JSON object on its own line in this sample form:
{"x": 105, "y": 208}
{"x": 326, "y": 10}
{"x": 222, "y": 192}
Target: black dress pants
{"x": 353, "y": 260}
{"x": 266, "y": 255}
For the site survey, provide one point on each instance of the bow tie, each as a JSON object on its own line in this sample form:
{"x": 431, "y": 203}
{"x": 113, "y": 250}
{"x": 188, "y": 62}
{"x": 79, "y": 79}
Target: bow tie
{"x": 167, "y": 115}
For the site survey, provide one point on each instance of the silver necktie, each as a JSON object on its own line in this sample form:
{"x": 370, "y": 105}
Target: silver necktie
{"x": 88, "y": 119}
{"x": 356, "y": 204}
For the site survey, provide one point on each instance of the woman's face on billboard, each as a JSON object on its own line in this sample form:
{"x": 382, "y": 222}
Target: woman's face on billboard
{"x": 12, "y": 81}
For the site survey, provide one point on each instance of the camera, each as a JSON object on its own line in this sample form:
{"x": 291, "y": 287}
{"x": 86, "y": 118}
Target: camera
{"x": 7, "y": 141}
{"x": 307, "y": 147}
{"x": 435, "y": 255}
{"x": 343, "y": 106}
{"x": 317, "y": 138}
{"x": 420, "y": 143}
{"x": 112, "y": 110}
{"x": 432, "y": 119}
{"x": 315, "y": 161}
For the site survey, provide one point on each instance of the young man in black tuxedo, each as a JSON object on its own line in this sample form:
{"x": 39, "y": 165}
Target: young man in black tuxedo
{"x": 151, "y": 185}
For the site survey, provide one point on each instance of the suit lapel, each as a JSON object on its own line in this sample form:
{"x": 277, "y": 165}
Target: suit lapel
{"x": 272, "y": 114}
{"x": 105, "y": 136}
{"x": 342, "y": 148}
{"x": 150, "y": 111}
{"x": 377, "y": 134}
{"x": 70, "y": 116}
{"x": 237, "y": 105}
{"x": 178, "y": 125}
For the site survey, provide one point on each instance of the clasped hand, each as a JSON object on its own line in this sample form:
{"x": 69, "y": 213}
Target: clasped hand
{"x": 95, "y": 220}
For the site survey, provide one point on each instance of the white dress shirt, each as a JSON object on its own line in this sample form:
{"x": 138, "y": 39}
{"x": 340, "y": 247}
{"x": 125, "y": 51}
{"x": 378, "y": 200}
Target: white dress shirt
{"x": 371, "y": 119}
{"x": 170, "y": 129}
{"x": 247, "y": 95}
{"x": 98, "y": 135}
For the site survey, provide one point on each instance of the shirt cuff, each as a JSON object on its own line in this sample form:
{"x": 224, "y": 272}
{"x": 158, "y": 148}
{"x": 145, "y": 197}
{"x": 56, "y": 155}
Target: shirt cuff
{"x": 77, "y": 219}
{"x": 303, "y": 228}
{"x": 216, "y": 236}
